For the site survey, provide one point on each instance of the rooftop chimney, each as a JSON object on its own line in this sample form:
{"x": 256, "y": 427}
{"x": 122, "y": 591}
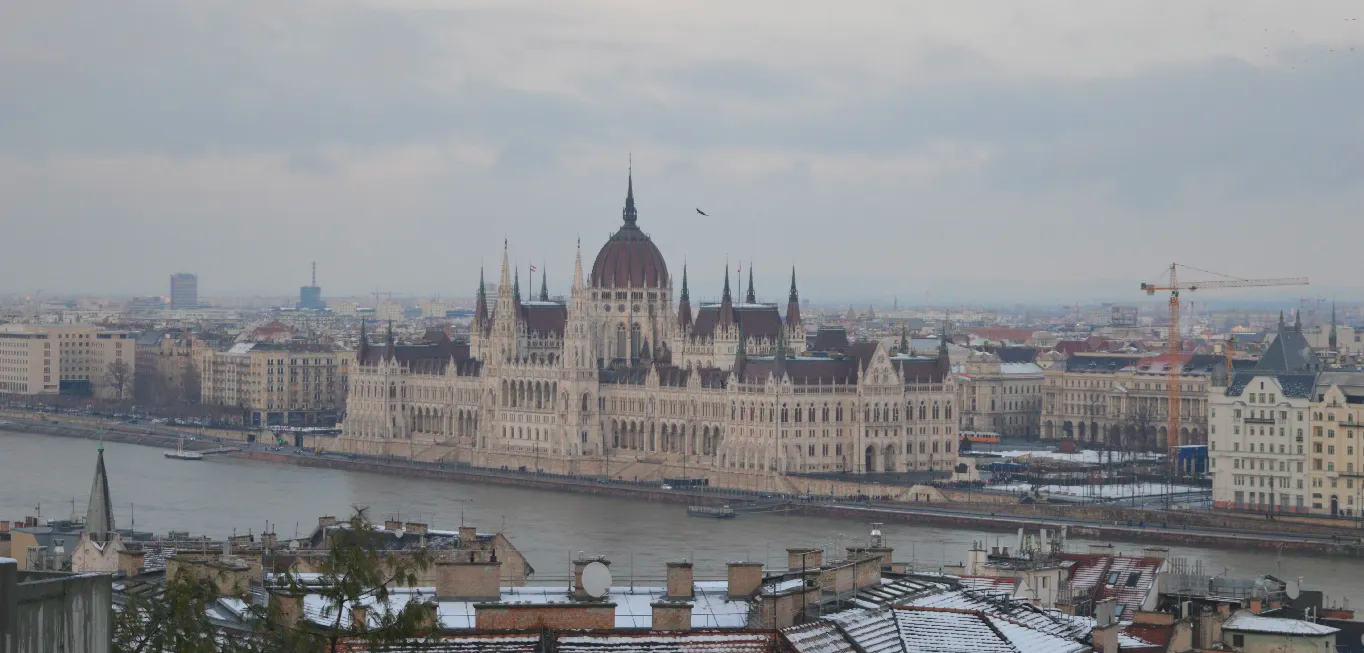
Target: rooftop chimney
{"x": 472, "y": 581}
{"x": 680, "y": 580}
{"x": 798, "y": 559}
{"x": 671, "y": 615}
{"x": 744, "y": 578}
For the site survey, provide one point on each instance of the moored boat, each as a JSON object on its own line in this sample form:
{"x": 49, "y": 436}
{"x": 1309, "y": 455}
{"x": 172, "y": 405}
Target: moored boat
{"x": 722, "y": 512}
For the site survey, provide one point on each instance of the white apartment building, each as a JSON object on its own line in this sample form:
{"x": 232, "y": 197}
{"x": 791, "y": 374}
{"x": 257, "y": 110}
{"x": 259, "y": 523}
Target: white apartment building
{"x": 1258, "y": 422}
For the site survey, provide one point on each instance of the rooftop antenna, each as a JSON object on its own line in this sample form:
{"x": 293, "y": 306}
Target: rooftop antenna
{"x": 314, "y": 273}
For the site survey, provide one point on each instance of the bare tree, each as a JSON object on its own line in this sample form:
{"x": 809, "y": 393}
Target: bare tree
{"x": 191, "y": 390}
{"x": 118, "y": 374}
{"x": 1142, "y": 421}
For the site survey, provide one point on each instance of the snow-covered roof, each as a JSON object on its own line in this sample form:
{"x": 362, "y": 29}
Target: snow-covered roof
{"x": 1248, "y": 622}
{"x": 926, "y": 630}
{"x": 711, "y": 608}
{"x": 1020, "y": 368}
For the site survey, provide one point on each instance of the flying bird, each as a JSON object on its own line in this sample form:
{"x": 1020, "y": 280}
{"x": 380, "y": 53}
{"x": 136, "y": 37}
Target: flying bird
{"x": 703, "y": 213}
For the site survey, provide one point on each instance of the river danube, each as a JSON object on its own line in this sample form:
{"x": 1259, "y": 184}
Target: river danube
{"x": 223, "y": 495}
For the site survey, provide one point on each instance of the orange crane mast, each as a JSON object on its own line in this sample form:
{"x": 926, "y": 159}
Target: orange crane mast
{"x": 1175, "y": 340}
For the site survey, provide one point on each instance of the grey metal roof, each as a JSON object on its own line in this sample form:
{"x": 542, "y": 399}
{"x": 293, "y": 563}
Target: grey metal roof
{"x": 1290, "y": 352}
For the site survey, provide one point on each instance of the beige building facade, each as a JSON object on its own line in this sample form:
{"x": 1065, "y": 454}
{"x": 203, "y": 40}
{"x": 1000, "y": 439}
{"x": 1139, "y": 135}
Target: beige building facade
{"x": 63, "y": 359}
{"x": 1261, "y": 421}
{"x": 1000, "y": 398}
{"x": 1123, "y": 400}
{"x": 1336, "y": 437}
{"x": 276, "y": 384}
{"x": 621, "y": 380}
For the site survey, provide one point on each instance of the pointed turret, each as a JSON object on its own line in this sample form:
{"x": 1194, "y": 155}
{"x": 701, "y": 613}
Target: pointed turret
{"x": 726, "y": 304}
{"x": 544, "y": 286}
{"x": 390, "y": 343}
{"x": 1297, "y": 321}
{"x": 740, "y": 355}
{"x": 481, "y": 321}
{"x": 1281, "y": 323}
{"x": 516, "y": 287}
{"x": 904, "y": 339}
{"x": 578, "y": 267}
{"x": 1331, "y": 340}
{"x": 779, "y": 359}
{"x": 793, "y": 302}
{"x": 944, "y": 359}
{"x": 750, "y": 297}
{"x": 362, "y": 347}
{"x": 684, "y": 304}
{"x": 99, "y": 516}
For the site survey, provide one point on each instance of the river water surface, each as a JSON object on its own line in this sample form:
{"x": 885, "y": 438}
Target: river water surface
{"x": 223, "y": 495}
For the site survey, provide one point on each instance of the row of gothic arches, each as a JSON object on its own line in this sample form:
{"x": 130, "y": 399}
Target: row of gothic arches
{"x": 532, "y": 394}
{"x": 636, "y": 435}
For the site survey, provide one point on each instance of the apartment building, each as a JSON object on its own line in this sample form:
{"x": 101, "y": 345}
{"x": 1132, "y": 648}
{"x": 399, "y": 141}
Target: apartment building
{"x": 1258, "y": 422}
{"x": 1336, "y": 455}
{"x": 62, "y": 359}
{"x": 166, "y": 366}
{"x": 277, "y": 384}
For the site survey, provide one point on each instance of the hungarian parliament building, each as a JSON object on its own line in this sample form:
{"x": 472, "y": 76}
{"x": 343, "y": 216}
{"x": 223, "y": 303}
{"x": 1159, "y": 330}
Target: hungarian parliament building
{"x": 626, "y": 380}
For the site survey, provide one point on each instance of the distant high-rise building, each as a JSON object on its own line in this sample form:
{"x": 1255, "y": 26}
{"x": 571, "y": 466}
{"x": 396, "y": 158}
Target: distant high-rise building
{"x": 310, "y": 297}
{"x": 184, "y": 290}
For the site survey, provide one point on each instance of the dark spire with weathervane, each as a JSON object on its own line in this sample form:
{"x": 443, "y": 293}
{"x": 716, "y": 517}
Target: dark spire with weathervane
{"x": 726, "y": 304}
{"x": 481, "y": 320}
{"x": 740, "y": 355}
{"x": 628, "y": 214}
{"x": 99, "y": 516}
{"x": 1297, "y": 320}
{"x": 750, "y": 297}
{"x": 904, "y": 339}
{"x": 684, "y": 304}
{"x": 544, "y": 286}
{"x": 944, "y": 359}
{"x": 793, "y": 302}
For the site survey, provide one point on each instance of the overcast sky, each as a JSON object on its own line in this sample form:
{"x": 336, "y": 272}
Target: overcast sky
{"x": 1041, "y": 150}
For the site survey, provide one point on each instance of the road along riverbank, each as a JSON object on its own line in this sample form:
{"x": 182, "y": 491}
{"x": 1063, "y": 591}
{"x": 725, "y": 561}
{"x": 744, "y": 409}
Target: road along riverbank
{"x": 1184, "y": 529}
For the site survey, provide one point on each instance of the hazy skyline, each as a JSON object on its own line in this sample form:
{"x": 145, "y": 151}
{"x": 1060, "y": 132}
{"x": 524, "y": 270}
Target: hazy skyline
{"x": 982, "y": 151}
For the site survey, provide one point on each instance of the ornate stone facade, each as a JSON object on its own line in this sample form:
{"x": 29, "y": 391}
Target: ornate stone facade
{"x": 620, "y": 381}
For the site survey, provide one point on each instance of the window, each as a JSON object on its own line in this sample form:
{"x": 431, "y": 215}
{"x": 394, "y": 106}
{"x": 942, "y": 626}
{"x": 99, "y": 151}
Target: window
{"x": 1132, "y": 578}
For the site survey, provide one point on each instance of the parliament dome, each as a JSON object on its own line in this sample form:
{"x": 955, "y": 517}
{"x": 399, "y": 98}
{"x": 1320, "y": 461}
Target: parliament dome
{"x": 629, "y": 258}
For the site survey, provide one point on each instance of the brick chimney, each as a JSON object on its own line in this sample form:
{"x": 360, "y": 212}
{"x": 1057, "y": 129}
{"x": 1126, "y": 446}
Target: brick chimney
{"x": 130, "y": 561}
{"x": 1104, "y": 636}
{"x": 392, "y": 525}
{"x": 325, "y": 521}
{"x": 680, "y": 584}
{"x": 671, "y": 615}
{"x": 416, "y": 527}
{"x": 468, "y": 536}
{"x": 797, "y": 559}
{"x": 744, "y": 578}
{"x": 469, "y": 581}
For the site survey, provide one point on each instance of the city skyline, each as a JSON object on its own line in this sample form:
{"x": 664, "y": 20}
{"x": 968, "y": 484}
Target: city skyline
{"x": 1038, "y": 154}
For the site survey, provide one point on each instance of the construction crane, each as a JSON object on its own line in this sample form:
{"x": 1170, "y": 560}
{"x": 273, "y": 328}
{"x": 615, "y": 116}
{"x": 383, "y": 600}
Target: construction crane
{"x": 1175, "y": 340}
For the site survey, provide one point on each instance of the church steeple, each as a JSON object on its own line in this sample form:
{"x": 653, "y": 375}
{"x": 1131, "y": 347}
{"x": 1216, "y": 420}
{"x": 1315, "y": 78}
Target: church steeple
{"x": 750, "y": 298}
{"x": 516, "y": 287}
{"x": 904, "y": 339}
{"x": 684, "y": 304}
{"x": 544, "y": 286}
{"x": 99, "y": 516}
{"x": 793, "y": 302}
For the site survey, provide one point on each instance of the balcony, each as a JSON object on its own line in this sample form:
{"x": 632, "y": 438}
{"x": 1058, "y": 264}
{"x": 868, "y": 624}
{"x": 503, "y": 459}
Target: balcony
{"x": 1260, "y": 420}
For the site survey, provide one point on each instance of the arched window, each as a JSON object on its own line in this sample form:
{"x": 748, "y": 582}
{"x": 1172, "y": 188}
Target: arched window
{"x": 783, "y": 413}
{"x": 824, "y": 413}
{"x": 620, "y": 341}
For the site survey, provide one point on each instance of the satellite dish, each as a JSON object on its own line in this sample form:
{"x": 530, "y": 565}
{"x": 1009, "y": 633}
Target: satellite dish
{"x": 1293, "y": 588}
{"x": 596, "y": 580}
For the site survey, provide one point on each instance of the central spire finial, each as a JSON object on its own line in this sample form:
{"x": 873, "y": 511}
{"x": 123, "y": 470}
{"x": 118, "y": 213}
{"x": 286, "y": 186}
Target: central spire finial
{"x": 629, "y": 215}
